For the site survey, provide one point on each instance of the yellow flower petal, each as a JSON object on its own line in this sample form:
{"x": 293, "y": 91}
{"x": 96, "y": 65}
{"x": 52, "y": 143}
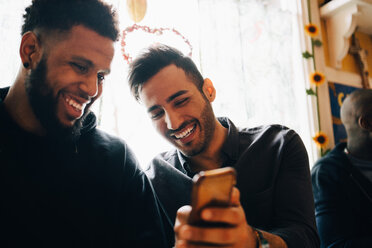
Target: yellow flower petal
{"x": 321, "y": 139}
{"x": 317, "y": 78}
{"x": 312, "y": 30}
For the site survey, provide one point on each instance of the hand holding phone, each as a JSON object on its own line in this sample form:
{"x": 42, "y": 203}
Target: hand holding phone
{"x": 214, "y": 189}
{"x": 211, "y": 188}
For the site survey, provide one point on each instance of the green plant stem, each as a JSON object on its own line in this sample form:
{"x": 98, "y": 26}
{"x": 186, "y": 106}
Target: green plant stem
{"x": 312, "y": 52}
{"x": 316, "y": 88}
{"x": 314, "y": 65}
{"x": 318, "y": 114}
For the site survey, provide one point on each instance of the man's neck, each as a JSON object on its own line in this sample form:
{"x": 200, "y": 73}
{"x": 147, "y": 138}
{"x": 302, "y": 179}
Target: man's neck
{"x": 212, "y": 157}
{"x": 16, "y": 103}
{"x": 361, "y": 150}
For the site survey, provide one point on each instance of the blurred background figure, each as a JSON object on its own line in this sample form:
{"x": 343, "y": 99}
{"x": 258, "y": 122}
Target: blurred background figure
{"x": 342, "y": 180}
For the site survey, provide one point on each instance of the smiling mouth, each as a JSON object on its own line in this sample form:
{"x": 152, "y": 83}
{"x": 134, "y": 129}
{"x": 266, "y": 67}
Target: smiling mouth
{"x": 184, "y": 133}
{"x": 76, "y": 105}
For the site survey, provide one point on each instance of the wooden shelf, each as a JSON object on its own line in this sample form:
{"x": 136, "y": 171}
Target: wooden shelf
{"x": 342, "y": 18}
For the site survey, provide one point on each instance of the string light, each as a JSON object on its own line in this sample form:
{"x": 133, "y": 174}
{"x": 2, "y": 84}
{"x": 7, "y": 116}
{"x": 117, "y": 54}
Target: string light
{"x": 156, "y": 31}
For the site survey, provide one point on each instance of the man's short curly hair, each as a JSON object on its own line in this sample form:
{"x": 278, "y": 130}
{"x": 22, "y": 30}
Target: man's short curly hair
{"x": 62, "y": 15}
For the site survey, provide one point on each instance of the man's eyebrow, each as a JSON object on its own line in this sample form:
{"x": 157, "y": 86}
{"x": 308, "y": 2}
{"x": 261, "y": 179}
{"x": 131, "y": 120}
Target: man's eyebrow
{"x": 169, "y": 99}
{"x": 181, "y": 92}
{"x": 153, "y": 108}
{"x": 83, "y": 60}
{"x": 89, "y": 63}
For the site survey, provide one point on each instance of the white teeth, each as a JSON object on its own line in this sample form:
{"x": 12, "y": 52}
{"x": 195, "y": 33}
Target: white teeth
{"x": 74, "y": 104}
{"x": 184, "y": 133}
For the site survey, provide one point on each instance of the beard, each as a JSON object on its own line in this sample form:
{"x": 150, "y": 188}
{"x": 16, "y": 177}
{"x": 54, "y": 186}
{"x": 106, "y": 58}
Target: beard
{"x": 44, "y": 105}
{"x": 207, "y": 125}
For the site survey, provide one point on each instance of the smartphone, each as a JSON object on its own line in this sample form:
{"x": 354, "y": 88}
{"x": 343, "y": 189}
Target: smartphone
{"x": 211, "y": 188}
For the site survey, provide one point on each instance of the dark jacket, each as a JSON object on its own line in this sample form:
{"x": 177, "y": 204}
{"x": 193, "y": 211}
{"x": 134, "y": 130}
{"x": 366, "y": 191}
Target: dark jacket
{"x": 86, "y": 193}
{"x": 343, "y": 201}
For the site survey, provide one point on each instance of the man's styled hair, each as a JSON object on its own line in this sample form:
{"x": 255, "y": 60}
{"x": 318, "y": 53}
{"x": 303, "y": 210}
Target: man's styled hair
{"x": 62, "y": 15}
{"x": 155, "y": 58}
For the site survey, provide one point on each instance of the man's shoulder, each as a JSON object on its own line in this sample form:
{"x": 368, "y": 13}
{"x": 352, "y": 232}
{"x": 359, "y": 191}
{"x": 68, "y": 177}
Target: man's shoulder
{"x": 264, "y": 134}
{"x": 93, "y": 137}
{"x": 165, "y": 160}
{"x": 273, "y": 128}
{"x": 165, "y": 163}
{"x": 226, "y": 122}
{"x": 100, "y": 141}
{"x": 261, "y": 131}
{"x": 170, "y": 155}
{"x": 332, "y": 163}
{"x": 107, "y": 147}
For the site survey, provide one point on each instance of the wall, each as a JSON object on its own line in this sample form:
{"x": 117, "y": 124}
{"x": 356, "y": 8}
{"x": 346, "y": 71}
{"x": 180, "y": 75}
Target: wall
{"x": 347, "y": 76}
{"x": 348, "y": 63}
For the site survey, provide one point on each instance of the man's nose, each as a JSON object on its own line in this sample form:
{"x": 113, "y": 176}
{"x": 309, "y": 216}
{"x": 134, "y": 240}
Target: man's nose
{"x": 173, "y": 120}
{"x": 90, "y": 86}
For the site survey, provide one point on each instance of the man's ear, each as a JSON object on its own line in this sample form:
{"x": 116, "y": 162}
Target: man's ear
{"x": 209, "y": 90}
{"x": 30, "y": 50}
{"x": 365, "y": 122}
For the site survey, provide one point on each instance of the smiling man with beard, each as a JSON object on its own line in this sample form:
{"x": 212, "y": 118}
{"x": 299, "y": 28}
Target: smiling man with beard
{"x": 44, "y": 105}
{"x": 64, "y": 183}
{"x": 273, "y": 178}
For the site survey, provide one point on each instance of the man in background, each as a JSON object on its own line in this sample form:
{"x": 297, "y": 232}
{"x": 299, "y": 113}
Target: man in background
{"x": 63, "y": 183}
{"x": 276, "y": 203}
{"x": 342, "y": 180}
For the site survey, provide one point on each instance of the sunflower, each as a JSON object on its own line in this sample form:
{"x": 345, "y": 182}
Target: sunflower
{"x": 317, "y": 78}
{"x": 312, "y": 30}
{"x": 321, "y": 139}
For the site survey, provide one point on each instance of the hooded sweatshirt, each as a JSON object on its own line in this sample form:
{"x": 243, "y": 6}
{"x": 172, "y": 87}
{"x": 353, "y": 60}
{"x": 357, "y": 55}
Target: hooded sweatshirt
{"x": 86, "y": 192}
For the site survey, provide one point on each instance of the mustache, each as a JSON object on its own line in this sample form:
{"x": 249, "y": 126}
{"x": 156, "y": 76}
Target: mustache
{"x": 182, "y": 126}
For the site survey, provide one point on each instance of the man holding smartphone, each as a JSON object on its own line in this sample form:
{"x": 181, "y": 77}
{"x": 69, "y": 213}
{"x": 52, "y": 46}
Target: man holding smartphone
{"x": 63, "y": 182}
{"x": 275, "y": 207}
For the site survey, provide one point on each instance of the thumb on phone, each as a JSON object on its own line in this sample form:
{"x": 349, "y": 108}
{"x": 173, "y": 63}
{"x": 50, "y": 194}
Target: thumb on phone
{"x": 235, "y": 197}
